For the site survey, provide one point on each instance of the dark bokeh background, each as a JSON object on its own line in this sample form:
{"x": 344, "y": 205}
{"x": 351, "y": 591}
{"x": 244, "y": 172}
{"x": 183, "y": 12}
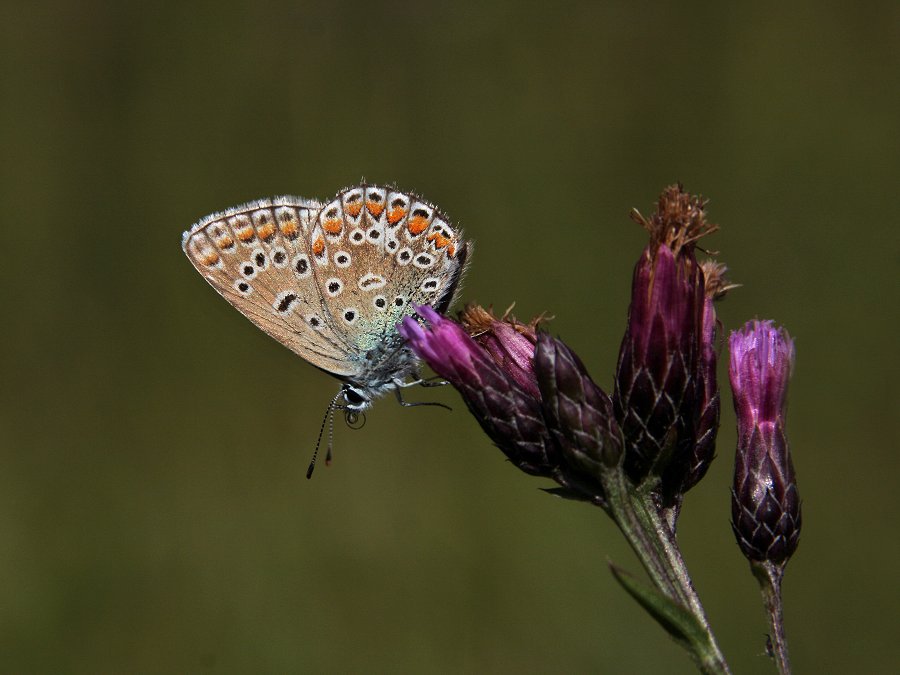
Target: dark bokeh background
{"x": 154, "y": 516}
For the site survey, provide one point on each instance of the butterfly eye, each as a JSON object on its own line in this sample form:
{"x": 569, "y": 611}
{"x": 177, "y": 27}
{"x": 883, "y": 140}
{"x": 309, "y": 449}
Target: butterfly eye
{"x": 353, "y": 397}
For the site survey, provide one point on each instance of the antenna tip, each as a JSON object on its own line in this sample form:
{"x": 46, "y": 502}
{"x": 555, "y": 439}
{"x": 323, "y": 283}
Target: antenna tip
{"x": 309, "y": 471}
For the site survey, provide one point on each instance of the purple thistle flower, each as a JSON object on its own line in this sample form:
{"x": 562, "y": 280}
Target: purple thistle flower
{"x": 495, "y": 371}
{"x": 509, "y": 413}
{"x": 765, "y": 502}
{"x": 660, "y": 357}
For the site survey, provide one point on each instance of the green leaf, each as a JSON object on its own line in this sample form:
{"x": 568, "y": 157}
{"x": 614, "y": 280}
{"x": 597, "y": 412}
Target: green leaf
{"x": 670, "y": 614}
{"x": 565, "y": 493}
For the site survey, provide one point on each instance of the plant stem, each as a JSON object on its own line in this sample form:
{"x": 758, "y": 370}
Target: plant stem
{"x": 769, "y": 576}
{"x": 654, "y": 543}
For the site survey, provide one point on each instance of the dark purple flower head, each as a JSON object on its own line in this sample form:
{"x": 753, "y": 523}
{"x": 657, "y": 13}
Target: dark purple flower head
{"x": 577, "y": 410}
{"x": 765, "y": 503}
{"x": 706, "y": 391}
{"x": 508, "y": 412}
{"x": 654, "y": 395}
{"x": 497, "y": 375}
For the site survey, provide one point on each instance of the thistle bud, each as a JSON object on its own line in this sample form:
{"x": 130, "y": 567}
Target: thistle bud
{"x": 765, "y": 503}
{"x": 508, "y": 412}
{"x": 577, "y": 410}
{"x": 688, "y": 473}
{"x": 654, "y": 395}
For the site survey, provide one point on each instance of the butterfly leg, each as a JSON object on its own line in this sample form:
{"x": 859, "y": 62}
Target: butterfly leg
{"x": 435, "y": 381}
{"x": 408, "y": 404}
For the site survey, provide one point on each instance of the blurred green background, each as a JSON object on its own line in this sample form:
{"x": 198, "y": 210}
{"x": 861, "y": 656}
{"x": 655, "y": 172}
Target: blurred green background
{"x": 154, "y": 515}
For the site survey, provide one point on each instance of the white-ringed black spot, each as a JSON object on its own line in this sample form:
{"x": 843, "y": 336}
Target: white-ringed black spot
{"x": 342, "y": 259}
{"x": 430, "y": 284}
{"x": 248, "y": 270}
{"x": 357, "y": 236}
{"x": 374, "y": 234}
{"x": 370, "y": 282}
{"x": 243, "y": 288}
{"x": 399, "y": 301}
{"x": 284, "y": 301}
{"x": 333, "y": 287}
{"x": 404, "y": 256}
{"x": 424, "y": 260}
{"x": 332, "y": 212}
{"x": 301, "y": 266}
{"x": 260, "y": 259}
{"x": 314, "y": 322}
{"x": 350, "y": 315}
{"x": 392, "y": 244}
{"x": 380, "y": 302}
{"x": 279, "y": 257}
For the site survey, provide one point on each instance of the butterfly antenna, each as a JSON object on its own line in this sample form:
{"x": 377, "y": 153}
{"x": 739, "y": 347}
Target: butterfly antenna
{"x": 329, "y": 414}
{"x": 330, "y": 437}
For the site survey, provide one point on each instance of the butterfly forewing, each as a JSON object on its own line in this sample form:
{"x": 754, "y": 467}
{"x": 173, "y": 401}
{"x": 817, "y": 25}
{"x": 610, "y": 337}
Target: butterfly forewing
{"x": 258, "y": 257}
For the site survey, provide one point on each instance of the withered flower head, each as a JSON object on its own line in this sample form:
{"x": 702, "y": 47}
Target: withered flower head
{"x": 509, "y": 342}
{"x": 765, "y": 501}
{"x": 659, "y": 360}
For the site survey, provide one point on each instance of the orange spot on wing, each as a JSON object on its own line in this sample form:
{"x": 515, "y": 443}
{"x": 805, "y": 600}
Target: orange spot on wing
{"x": 333, "y": 226}
{"x": 440, "y": 241}
{"x": 375, "y": 208}
{"x": 245, "y": 233}
{"x": 353, "y": 209}
{"x": 210, "y": 258}
{"x": 318, "y": 245}
{"x": 451, "y": 251}
{"x": 266, "y": 230}
{"x": 417, "y": 225}
{"x": 396, "y": 215}
{"x": 288, "y": 228}
{"x": 225, "y": 241}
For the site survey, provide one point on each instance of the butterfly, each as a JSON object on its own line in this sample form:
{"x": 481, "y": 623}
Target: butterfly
{"x": 330, "y": 281}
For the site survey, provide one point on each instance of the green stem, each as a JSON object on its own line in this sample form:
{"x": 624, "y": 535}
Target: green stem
{"x": 769, "y": 576}
{"x": 635, "y": 529}
{"x": 656, "y": 547}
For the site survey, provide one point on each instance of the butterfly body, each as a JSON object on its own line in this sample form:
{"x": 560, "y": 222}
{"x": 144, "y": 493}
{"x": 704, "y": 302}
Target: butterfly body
{"x": 331, "y": 280}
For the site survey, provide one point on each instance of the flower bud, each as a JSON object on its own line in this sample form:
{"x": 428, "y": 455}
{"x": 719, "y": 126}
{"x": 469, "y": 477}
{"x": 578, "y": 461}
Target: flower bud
{"x": 684, "y": 475}
{"x": 654, "y": 395}
{"x": 765, "y": 503}
{"x": 577, "y": 410}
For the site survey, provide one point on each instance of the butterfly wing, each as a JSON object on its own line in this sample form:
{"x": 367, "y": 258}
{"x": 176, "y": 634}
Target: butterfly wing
{"x": 258, "y": 257}
{"x": 381, "y": 253}
{"x": 332, "y": 281}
